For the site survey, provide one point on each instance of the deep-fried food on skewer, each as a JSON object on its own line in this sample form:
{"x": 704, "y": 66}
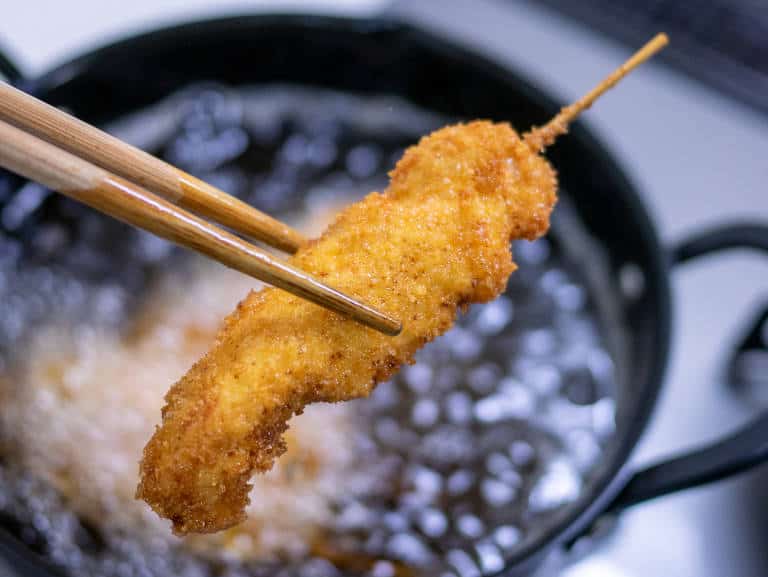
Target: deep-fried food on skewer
{"x": 437, "y": 239}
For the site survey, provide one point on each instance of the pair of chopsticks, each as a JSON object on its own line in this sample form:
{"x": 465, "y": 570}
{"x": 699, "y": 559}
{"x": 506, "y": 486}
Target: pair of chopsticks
{"x": 65, "y": 154}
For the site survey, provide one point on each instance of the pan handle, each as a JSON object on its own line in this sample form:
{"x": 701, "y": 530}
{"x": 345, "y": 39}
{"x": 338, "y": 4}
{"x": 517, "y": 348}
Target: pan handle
{"x": 8, "y": 69}
{"x": 739, "y": 451}
{"x": 740, "y": 235}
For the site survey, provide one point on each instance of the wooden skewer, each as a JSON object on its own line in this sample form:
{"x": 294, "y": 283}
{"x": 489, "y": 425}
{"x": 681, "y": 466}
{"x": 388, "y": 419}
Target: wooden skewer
{"x": 543, "y": 136}
{"x": 59, "y": 170}
{"x": 98, "y": 147}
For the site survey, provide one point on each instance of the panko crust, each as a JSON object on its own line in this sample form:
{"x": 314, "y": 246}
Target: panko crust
{"x": 437, "y": 239}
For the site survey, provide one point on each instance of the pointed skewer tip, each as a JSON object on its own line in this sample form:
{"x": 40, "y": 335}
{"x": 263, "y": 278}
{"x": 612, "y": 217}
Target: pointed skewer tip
{"x": 538, "y": 138}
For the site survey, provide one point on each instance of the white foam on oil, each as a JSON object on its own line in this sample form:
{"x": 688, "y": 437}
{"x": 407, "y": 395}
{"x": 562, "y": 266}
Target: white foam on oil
{"x": 79, "y": 412}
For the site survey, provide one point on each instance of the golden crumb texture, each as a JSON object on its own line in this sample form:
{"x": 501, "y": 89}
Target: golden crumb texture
{"x": 437, "y": 239}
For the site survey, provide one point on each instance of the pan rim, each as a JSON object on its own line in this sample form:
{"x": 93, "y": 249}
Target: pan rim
{"x": 592, "y": 503}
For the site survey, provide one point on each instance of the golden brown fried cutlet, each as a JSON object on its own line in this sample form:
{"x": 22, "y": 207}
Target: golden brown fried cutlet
{"x": 435, "y": 240}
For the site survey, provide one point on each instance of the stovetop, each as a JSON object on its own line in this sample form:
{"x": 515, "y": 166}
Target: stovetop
{"x": 721, "y": 42}
{"x": 699, "y": 158}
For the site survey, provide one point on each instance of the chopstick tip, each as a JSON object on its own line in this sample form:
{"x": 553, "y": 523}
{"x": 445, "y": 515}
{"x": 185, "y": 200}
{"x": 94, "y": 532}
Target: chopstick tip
{"x": 394, "y": 330}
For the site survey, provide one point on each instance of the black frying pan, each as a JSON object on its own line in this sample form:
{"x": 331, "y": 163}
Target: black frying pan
{"x": 382, "y": 56}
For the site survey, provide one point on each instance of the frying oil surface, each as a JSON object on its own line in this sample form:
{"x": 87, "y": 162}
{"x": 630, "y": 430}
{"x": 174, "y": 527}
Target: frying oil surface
{"x": 446, "y": 469}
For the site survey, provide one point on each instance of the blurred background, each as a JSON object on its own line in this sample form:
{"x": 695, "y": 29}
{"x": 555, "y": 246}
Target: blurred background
{"x": 690, "y": 128}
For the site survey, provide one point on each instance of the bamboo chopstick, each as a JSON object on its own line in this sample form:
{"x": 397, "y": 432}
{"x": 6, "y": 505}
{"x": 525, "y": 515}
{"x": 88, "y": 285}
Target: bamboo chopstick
{"x": 90, "y": 143}
{"x": 57, "y": 169}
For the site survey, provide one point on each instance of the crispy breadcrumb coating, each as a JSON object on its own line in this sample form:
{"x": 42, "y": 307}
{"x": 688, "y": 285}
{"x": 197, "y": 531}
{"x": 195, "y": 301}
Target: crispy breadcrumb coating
{"x": 437, "y": 239}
